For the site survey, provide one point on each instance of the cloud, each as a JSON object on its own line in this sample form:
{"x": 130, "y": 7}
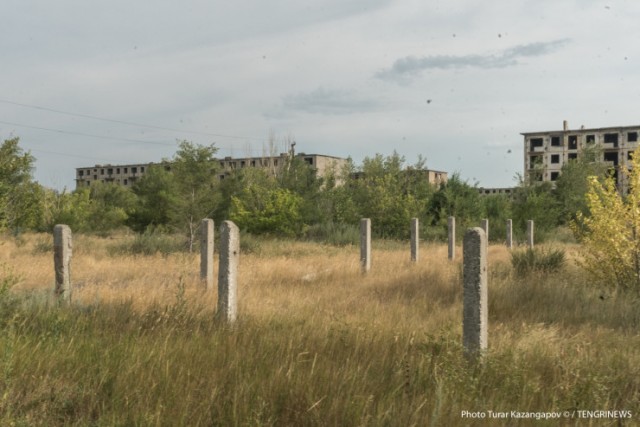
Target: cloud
{"x": 329, "y": 102}
{"x": 409, "y": 67}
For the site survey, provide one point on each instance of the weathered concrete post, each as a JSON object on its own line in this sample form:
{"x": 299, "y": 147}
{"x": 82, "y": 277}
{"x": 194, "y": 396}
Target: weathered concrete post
{"x": 206, "y": 253}
{"x": 530, "y": 234}
{"x": 415, "y": 239}
{"x": 475, "y": 298}
{"x": 452, "y": 237}
{"x": 484, "y": 224}
{"x": 228, "y": 272}
{"x": 365, "y": 244}
{"x": 509, "y": 234}
{"x": 62, "y": 247}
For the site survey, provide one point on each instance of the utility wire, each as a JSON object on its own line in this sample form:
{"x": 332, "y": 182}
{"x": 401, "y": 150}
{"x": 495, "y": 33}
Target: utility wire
{"x": 86, "y": 116}
{"x": 86, "y": 134}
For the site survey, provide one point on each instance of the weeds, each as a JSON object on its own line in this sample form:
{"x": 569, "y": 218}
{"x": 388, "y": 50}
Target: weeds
{"x": 537, "y": 260}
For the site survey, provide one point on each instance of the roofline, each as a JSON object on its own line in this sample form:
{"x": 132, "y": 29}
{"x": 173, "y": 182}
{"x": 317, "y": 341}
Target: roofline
{"x": 581, "y": 130}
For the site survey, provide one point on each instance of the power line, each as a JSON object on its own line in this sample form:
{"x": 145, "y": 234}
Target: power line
{"x": 86, "y": 134}
{"x": 86, "y": 116}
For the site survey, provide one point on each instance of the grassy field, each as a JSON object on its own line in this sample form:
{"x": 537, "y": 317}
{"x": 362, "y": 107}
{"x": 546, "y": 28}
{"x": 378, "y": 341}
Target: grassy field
{"x": 316, "y": 343}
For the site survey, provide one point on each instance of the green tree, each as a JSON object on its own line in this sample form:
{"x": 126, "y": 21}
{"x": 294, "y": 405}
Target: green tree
{"x": 572, "y": 185}
{"x": 384, "y": 191}
{"x": 157, "y": 197}
{"x": 535, "y": 202}
{"x": 610, "y": 234}
{"x": 20, "y": 197}
{"x": 272, "y": 211}
{"x": 459, "y": 199}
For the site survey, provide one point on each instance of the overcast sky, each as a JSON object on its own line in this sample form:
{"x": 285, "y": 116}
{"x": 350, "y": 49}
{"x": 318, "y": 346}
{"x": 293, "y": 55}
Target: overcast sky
{"x": 454, "y": 81}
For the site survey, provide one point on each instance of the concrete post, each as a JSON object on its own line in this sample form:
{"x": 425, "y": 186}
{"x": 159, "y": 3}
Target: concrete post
{"x": 452, "y": 237}
{"x": 62, "y": 247}
{"x": 475, "y": 298}
{"x": 206, "y": 253}
{"x": 484, "y": 224}
{"x": 365, "y": 244}
{"x": 228, "y": 272}
{"x": 415, "y": 239}
{"x": 530, "y": 234}
{"x": 509, "y": 234}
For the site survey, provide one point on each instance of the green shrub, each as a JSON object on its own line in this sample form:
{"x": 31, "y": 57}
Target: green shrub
{"x": 537, "y": 260}
{"x": 150, "y": 243}
{"x": 338, "y": 234}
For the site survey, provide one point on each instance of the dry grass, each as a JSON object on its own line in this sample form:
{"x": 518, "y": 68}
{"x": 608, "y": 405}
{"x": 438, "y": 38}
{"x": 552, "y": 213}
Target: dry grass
{"x": 317, "y": 342}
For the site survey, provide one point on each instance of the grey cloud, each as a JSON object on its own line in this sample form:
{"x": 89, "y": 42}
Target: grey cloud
{"x": 406, "y": 68}
{"x": 329, "y": 101}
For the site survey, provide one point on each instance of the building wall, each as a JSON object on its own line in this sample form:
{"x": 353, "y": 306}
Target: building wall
{"x": 127, "y": 175}
{"x": 546, "y": 152}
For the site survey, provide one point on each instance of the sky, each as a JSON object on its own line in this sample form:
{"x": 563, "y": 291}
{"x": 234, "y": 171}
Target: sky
{"x": 452, "y": 81}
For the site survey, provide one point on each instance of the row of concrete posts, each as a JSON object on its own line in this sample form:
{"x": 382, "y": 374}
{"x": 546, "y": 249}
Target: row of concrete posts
{"x": 475, "y": 245}
{"x": 227, "y": 268}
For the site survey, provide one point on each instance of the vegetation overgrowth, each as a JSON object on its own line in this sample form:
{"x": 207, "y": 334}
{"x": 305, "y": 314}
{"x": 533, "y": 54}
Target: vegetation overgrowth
{"x": 316, "y": 343}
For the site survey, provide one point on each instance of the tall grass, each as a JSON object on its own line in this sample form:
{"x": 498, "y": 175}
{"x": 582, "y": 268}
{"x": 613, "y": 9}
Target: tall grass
{"x": 317, "y": 342}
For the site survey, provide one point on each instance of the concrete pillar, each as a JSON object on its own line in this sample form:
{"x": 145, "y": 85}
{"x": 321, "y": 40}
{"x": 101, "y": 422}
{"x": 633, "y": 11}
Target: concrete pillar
{"x": 475, "y": 298}
{"x": 206, "y": 253}
{"x": 415, "y": 239}
{"x": 530, "y": 234}
{"x": 228, "y": 272}
{"x": 484, "y": 224}
{"x": 452, "y": 237}
{"x": 365, "y": 244}
{"x": 62, "y": 247}
{"x": 509, "y": 234}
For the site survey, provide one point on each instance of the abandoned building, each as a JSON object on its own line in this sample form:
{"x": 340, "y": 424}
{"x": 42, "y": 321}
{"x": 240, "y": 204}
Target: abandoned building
{"x": 546, "y": 152}
{"x": 127, "y": 175}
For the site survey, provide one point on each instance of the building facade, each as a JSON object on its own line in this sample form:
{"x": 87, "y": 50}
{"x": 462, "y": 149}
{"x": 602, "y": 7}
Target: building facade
{"x": 127, "y": 175}
{"x": 546, "y": 152}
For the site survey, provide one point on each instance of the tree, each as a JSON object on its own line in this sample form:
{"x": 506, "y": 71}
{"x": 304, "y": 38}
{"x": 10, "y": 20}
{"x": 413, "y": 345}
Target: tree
{"x": 535, "y": 201}
{"x": 573, "y": 183}
{"x": 456, "y": 198}
{"x": 180, "y": 192}
{"x": 20, "y": 197}
{"x": 263, "y": 210}
{"x": 610, "y": 234}
{"x": 157, "y": 195}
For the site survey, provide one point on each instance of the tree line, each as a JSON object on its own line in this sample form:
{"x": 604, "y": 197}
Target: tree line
{"x": 289, "y": 201}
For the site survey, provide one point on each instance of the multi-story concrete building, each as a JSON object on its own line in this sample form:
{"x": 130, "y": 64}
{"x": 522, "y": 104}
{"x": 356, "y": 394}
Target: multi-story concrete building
{"x": 127, "y": 175}
{"x": 546, "y": 152}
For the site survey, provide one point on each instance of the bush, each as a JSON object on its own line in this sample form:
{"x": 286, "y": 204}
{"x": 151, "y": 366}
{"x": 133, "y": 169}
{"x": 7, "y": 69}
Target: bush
{"x": 150, "y": 243}
{"x": 334, "y": 233}
{"x": 537, "y": 260}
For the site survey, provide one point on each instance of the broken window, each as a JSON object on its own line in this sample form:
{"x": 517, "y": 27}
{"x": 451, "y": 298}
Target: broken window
{"x": 591, "y": 139}
{"x": 126, "y": 182}
{"x": 555, "y": 141}
{"x": 141, "y": 168}
{"x": 80, "y": 172}
{"x": 253, "y": 163}
{"x": 630, "y": 155}
{"x": 611, "y": 157}
{"x": 572, "y": 156}
{"x": 309, "y": 160}
{"x": 554, "y": 176}
{"x": 573, "y": 142}
{"x": 110, "y": 171}
{"x": 611, "y": 138}
{"x": 535, "y": 161}
{"x": 555, "y": 158}
{"x": 126, "y": 170}
{"x": 134, "y": 170}
{"x": 632, "y": 136}
{"x": 536, "y": 142}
